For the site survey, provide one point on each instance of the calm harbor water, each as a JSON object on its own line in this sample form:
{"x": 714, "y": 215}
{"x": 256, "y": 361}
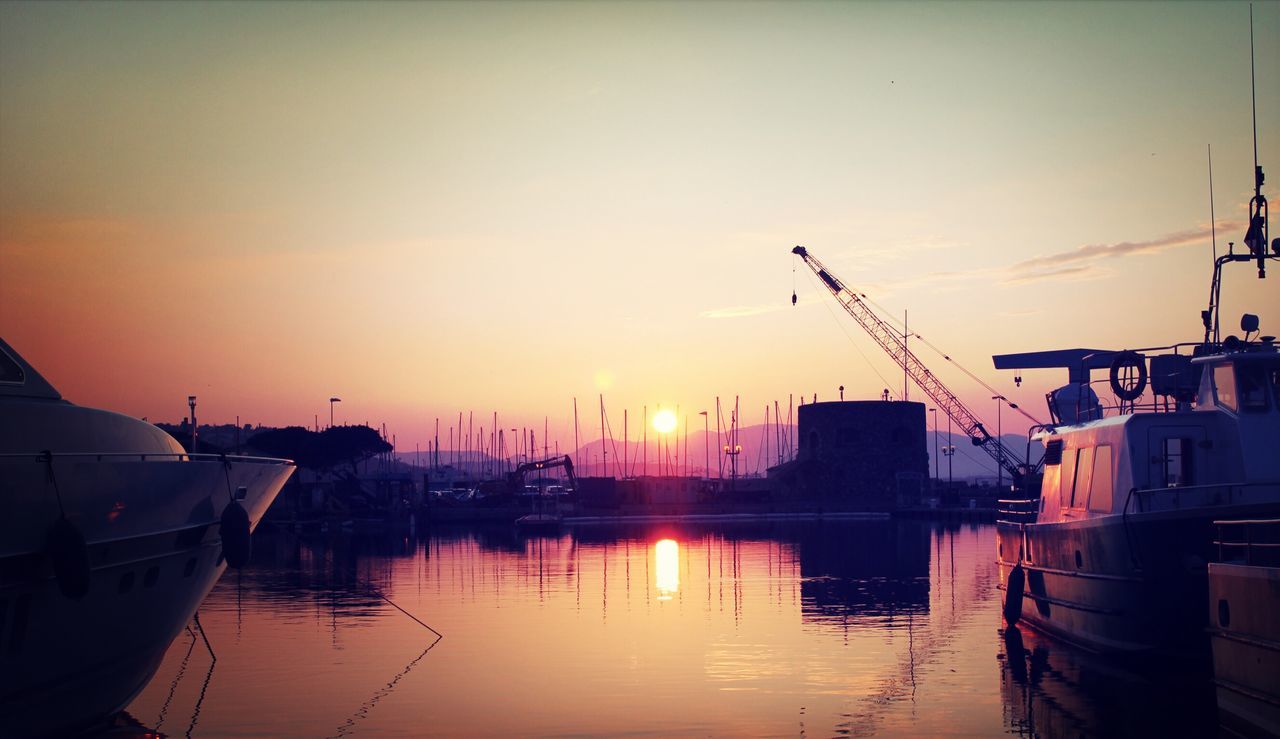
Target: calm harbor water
{"x": 875, "y": 628}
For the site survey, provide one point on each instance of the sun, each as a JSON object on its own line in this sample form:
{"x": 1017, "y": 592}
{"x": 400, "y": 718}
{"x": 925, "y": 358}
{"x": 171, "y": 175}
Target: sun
{"x": 664, "y": 421}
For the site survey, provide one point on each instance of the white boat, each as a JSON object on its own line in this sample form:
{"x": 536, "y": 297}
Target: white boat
{"x": 1244, "y": 598}
{"x": 112, "y": 536}
{"x": 1112, "y": 552}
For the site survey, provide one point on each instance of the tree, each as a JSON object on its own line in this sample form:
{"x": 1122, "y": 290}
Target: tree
{"x": 349, "y": 444}
{"x": 336, "y": 445}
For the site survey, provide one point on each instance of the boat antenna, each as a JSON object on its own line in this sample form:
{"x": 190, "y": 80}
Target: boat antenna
{"x": 1213, "y": 219}
{"x": 1253, "y": 96}
{"x": 1256, "y": 238}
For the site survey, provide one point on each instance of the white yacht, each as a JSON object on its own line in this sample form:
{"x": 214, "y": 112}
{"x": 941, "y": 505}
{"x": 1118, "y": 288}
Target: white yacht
{"x": 1112, "y": 552}
{"x": 111, "y": 538}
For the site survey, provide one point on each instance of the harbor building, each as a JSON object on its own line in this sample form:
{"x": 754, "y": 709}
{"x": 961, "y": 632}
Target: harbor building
{"x": 868, "y": 455}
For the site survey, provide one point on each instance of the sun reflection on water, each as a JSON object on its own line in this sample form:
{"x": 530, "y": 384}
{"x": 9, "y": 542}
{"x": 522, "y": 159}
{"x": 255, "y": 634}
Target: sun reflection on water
{"x": 666, "y": 555}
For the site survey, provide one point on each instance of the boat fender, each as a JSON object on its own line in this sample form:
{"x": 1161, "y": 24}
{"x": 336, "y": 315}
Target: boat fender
{"x": 237, "y": 543}
{"x": 1131, "y": 361}
{"x": 70, "y": 554}
{"x": 1013, "y": 595}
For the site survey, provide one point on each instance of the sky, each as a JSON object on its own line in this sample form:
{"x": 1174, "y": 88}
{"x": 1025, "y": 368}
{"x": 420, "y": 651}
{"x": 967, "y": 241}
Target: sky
{"x": 427, "y": 208}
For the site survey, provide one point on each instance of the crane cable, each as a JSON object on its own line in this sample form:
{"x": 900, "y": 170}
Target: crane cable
{"x": 889, "y": 318}
{"x": 849, "y": 336}
{"x": 793, "y": 282}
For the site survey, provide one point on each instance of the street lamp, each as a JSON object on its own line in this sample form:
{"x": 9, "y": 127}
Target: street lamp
{"x": 706, "y": 443}
{"x": 1000, "y": 401}
{"x": 951, "y": 452}
{"x": 733, "y": 452}
{"x": 191, "y": 401}
{"x": 331, "y": 402}
{"x": 934, "y": 411}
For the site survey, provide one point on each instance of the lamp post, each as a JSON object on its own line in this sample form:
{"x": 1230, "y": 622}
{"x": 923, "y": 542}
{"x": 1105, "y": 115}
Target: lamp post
{"x": 331, "y": 402}
{"x": 732, "y": 452}
{"x": 1000, "y": 401}
{"x": 951, "y": 451}
{"x": 934, "y": 411}
{"x": 191, "y": 401}
{"x": 706, "y": 444}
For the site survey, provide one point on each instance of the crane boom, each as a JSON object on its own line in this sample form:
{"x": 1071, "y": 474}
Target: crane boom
{"x": 893, "y": 344}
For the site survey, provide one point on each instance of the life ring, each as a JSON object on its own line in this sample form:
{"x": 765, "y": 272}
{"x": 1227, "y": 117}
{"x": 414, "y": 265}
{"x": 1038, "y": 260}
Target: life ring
{"x": 1132, "y": 362}
{"x": 1013, "y": 589}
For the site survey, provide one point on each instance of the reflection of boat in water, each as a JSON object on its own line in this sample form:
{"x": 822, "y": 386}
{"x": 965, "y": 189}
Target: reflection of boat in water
{"x": 1112, "y": 554}
{"x": 1050, "y": 689}
{"x": 1244, "y": 598}
{"x": 541, "y": 522}
{"x": 112, "y": 536}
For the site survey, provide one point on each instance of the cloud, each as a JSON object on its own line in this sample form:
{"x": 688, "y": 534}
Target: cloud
{"x": 1078, "y": 264}
{"x": 1076, "y": 273}
{"x": 1094, "y": 252}
{"x": 1072, "y": 265}
{"x": 742, "y": 311}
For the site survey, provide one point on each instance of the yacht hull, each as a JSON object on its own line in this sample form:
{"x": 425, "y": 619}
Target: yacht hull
{"x": 1245, "y": 634}
{"x": 1119, "y": 584}
{"x": 68, "y": 663}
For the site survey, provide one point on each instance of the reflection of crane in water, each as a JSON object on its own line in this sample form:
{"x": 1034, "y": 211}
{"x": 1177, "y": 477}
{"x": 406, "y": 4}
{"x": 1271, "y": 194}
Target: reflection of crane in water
{"x": 870, "y": 709}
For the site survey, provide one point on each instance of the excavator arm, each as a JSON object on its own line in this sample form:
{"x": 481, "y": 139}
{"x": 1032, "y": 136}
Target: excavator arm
{"x": 516, "y": 477}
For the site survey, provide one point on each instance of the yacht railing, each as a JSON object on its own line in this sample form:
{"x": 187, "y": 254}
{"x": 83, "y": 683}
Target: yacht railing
{"x": 1017, "y": 510}
{"x": 1254, "y": 542}
{"x": 1196, "y": 496}
{"x": 46, "y": 457}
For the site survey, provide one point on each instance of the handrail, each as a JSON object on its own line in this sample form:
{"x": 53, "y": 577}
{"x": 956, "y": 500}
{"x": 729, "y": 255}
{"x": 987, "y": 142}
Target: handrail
{"x": 1248, "y": 522}
{"x": 143, "y": 456}
{"x": 1268, "y": 551}
{"x": 1140, "y": 493}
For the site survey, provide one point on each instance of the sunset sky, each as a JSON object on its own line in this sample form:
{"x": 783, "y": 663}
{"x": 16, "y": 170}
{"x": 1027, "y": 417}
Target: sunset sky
{"x": 426, "y": 208}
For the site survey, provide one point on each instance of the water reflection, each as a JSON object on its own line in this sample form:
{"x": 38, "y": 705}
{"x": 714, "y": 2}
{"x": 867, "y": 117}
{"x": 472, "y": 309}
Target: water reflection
{"x": 854, "y": 628}
{"x": 1050, "y": 689}
{"x": 666, "y": 557}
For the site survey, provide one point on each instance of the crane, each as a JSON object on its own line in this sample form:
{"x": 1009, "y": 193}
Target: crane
{"x": 896, "y": 347}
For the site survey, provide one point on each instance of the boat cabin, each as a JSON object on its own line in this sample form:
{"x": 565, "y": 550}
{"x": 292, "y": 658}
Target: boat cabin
{"x": 1210, "y": 442}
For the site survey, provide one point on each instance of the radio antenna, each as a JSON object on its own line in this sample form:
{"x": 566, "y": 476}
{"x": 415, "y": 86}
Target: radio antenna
{"x": 1253, "y": 92}
{"x": 1213, "y": 219}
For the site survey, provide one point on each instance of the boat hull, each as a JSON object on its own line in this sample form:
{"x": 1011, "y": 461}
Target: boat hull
{"x": 1119, "y": 584}
{"x": 69, "y": 663}
{"x": 1245, "y": 635}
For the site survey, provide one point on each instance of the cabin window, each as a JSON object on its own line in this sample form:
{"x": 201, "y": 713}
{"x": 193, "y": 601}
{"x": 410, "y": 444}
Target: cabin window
{"x": 1067, "y": 477}
{"x": 1224, "y": 386}
{"x": 1251, "y": 383}
{"x": 10, "y": 371}
{"x": 1100, "y": 496}
{"x": 1177, "y": 462}
{"x": 1084, "y": 473}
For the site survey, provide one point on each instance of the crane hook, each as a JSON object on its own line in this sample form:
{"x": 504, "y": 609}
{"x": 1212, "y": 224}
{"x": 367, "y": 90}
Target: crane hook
{"x": 793, "y": 297}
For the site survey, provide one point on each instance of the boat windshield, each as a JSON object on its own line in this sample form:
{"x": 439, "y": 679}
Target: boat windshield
{"x": 1256, "y": 384}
